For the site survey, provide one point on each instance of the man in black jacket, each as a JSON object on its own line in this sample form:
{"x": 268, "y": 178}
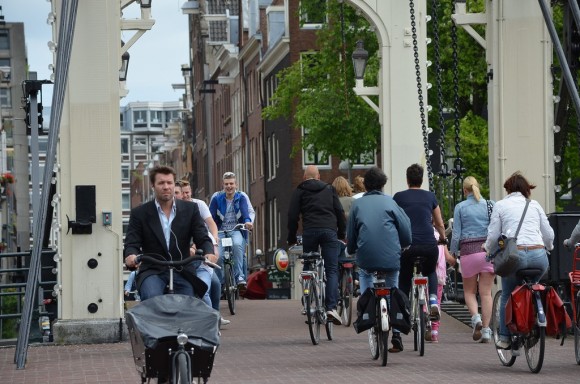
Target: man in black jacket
{"x": 165, "y": 228}
{"x": 323, "y": 223}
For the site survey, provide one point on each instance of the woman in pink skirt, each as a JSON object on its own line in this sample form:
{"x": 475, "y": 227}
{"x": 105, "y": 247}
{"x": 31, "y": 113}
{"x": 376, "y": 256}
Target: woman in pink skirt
{"x": 470, "y": 221}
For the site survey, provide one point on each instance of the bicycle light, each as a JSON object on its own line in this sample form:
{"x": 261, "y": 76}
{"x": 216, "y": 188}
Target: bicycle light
{"x": 182, "y": 338}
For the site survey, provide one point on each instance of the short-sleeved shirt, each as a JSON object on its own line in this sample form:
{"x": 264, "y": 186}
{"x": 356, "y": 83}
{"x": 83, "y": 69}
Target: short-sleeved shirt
{"x": 419, "y": 204}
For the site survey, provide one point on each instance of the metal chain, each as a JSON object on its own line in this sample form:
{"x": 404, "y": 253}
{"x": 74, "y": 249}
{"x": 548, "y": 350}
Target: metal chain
{"x": 444, "y": 171}
{"x": 420, "y": 94}
{"x": 458, "y": 168}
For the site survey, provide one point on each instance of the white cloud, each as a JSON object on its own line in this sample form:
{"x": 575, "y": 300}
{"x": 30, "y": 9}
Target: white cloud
{"x": 156, "y": 57}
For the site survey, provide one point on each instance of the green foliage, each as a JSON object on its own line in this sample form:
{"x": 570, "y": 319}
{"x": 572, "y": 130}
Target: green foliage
{"x": 317, "y": 90}
{"x": 9, "y": 306}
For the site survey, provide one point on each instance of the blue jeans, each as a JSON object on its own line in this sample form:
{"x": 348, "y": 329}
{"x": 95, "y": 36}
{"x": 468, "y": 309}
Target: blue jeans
{"x": 215, "y": 291}
{"x": 239, "y": 245}
{"x": 205, "y": 274}
{"x": 365, "y": 280}
{"x": 534, "y": 258}
{"x": 154, "y": 285}
{"x": 326, "y": 239}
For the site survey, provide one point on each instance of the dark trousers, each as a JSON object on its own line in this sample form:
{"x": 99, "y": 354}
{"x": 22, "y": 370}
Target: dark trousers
{"x": 326, "y": 239}
{"x": 429, "y": 255}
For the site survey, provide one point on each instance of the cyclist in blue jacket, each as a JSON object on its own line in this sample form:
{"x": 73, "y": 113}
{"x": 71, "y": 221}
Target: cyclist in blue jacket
{"x": 228, "y": 208}
{"x": 377, "y": 230}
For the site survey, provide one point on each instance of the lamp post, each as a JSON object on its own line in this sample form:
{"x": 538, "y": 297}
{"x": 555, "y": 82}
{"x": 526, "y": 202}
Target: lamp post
{"x": 360, "y": 58}
{"x": 124, "y": 66}
{"x": 145, "y": 3}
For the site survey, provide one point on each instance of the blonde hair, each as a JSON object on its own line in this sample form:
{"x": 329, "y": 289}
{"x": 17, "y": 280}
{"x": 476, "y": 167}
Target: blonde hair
{"x": 342, "y": 187}
{"x": 471, "y": 185}
{"x": 359, "y": 184}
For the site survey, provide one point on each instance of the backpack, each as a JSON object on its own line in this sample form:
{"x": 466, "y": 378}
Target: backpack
{"x": 519, "y": 310}
{"x": 399, "y": 311}
{"x": 366, "y": 310}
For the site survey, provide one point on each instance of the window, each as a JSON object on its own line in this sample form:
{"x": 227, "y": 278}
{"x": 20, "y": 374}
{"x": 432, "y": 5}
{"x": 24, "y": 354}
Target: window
{"x": 139, "y": 141}
{"x": 274, "y": 221}
{"x": 312, "y": 14}
{"x": 125, "y": 173}
{"x": 140, "y": 119}
{"x": 124, "y": 145}
{"x": 5, "y": 97}
{"x": 365, "y": 160}
{"x": 126, "y": 201}
{"x": 4, "y": 39}
{"x": 157, "y": 119}
{"x": 311, "y": 156}
{"x": 273, "y": 156}
{"x": 5, "y": 63}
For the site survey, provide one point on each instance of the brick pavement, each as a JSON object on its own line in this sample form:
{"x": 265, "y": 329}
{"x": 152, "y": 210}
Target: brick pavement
{"x": 268, "y": 342}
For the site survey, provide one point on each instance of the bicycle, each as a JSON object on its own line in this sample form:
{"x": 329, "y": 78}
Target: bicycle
{"x": 418, "y": 301}
{"x": 231, "y": 290}
{"x": 574, "y": 276}
{"x": 534, "y": 341}
{"x": 173, "y": 336}
{"x": 345, "y": 289}
{"x": 313, "y": 285}
{"x": 379, "y": 333}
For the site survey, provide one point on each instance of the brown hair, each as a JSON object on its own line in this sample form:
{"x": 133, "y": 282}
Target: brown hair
{"x": 359, "y": 184}
{"x": 518, "y": 183}
{"x": 342, "y": 187}
{"x": 162, "y": 169}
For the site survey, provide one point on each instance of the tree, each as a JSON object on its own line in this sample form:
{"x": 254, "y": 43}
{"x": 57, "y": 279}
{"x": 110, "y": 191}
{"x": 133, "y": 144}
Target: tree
{"x": 317, "y": 90}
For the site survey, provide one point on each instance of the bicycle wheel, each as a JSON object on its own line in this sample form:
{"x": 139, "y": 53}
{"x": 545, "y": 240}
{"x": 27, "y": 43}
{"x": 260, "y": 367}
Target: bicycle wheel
{"x": 374, "y": 342}
{"x": 421, "y": 329}
{"x": 183, "y": 369}
{"x": 230, "y": 287}
{"x": 383, "y": 338}
{"x": 312, "y": 315}
{"x": 346, "y": 293}
{"x": 534, "y": 345}
{"x": 505, "y": 355}
{"x": 577, "y": 329}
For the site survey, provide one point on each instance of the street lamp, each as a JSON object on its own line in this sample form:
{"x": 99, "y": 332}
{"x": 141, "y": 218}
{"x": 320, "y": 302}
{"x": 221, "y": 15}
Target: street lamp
{"x": 124, "y": 66}
{"x": 359, "y": 60}
{"x": 145, "y": 3}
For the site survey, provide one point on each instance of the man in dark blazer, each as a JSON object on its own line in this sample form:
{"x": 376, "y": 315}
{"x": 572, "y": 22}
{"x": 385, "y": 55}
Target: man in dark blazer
{"x": 165, "y": 228}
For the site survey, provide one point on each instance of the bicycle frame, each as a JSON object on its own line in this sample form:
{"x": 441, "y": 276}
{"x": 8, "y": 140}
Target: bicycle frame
{"x": 418, "y": 299}
{"x": 313, "y": 295}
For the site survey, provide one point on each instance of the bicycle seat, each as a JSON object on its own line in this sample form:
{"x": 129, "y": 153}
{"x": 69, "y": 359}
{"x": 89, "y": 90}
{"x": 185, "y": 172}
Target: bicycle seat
{"x": 310, "y": 256}
{"x": 529, "y": 273}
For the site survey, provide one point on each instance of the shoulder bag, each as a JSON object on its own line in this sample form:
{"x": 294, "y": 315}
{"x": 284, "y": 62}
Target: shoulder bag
{"x": 506, "y": 259}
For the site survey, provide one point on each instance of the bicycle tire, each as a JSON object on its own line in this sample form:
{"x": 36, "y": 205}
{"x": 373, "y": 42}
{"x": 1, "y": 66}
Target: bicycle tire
{"x": 374, "y": 342}
{"x": 329, "y": 330}
{"x": 183, "y": 369}
{"x": 422, "y": 329}
{"x": 577, "y": 329}
{"x": 534, "y": 348}
{"x": 230, "y": 287}
{"x": 383, "y": 338}
{"x": 312, "y": 316}
{"x": 505, "y": 355}
{"x": 415, "y": 318}
{"x": 347, "y": 294}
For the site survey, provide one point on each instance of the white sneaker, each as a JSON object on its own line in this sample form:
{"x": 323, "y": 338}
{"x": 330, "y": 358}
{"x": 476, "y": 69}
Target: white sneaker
{"x": 224, "y": 321}
{"x": 485, "y": 335}
{"x": 477, "y": 326}
{"x": 503, "y": 344}
{"x": 334, "y": 317}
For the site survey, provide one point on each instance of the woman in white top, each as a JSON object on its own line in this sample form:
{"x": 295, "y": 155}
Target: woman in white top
{"x": 535, "y": 236}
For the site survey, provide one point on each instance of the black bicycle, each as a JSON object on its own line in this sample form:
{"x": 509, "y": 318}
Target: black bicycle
{"x": 345, "y": 289}
{"x": 534, "y": 341}
{"x": 379, "y": 333}
{"x": 231, "y": 290}
{"x": 173, "y": 337}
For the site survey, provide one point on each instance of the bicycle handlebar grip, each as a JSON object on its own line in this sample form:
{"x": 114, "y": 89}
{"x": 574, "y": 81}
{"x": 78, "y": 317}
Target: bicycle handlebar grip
{"x": 168, "y": 263}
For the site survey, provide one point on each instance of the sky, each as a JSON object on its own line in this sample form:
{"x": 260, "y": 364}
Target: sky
{"x": 156, "y": 57}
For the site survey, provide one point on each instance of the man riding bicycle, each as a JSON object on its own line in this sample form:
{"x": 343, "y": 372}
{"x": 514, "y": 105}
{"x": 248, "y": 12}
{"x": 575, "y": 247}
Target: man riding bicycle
{"x": 228, "y": 208}
{"x": 377, "y": 230}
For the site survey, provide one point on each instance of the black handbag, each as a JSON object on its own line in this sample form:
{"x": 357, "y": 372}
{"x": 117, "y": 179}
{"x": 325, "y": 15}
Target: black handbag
{"x": 507, "y": 257}
{"x": 400, "y": 311}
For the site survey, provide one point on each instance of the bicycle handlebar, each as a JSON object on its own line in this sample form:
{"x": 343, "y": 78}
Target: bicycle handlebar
{"x": 176, "y": 263}
{"x": 237, "y": 227}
